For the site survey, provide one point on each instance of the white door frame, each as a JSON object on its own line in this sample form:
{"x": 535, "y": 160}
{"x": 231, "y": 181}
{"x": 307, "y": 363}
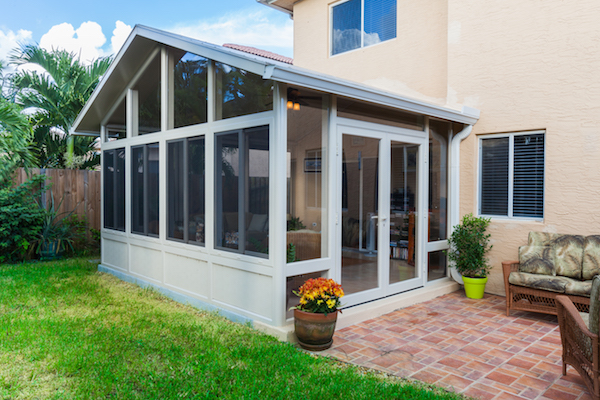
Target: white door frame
{"x": 386, "y": 134}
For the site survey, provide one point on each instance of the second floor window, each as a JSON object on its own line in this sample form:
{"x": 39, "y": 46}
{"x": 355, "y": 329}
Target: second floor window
{"x": 361, "y": 23}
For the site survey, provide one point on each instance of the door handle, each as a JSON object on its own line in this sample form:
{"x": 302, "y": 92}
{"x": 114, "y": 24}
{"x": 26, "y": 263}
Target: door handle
{"x": 382, "y": 218}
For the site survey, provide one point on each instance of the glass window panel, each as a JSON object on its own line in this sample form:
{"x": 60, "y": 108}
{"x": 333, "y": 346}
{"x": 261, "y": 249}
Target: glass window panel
{"x": 148, "y": 89}
{"x": 359, "y": 228}
{"x": 436, "y": 265}
{"x": 380, "y": 21}
{"x": 403, "y": 200}
{"x": 152, "y": 181}
{"x": 116, "y": 127}
{"x": 494, "y": 176}
{"x": 241, "y": 93}
{"x": 380, "y": 115}
{"x": 137, "y": 189}
{"x": 189, "y": 89}
{"x": 438, "y": 180}
{"x": 175, "y": 193}
{"x": 120, "y": 190}
{"x": 346, "y": 21}
{"x": 196, "y": 179}
{"x": 306, "y": 216}
{"x": 109, "y": 189}
{"x": 227, "y": 177}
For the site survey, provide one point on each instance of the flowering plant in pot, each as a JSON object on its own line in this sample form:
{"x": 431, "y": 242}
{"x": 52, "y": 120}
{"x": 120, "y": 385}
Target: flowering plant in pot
{"x": 469, "y": 244}
{"x": 316, "y": 315}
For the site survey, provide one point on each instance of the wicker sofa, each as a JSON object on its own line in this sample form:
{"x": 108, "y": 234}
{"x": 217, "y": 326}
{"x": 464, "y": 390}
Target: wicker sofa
{"x": 550, "y": 265}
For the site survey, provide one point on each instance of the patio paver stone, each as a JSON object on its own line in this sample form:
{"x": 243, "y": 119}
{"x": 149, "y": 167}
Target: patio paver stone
{"x": 469, "y": 346}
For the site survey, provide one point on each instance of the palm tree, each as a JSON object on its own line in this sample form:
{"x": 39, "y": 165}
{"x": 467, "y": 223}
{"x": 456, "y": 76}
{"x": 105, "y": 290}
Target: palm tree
{"x": 57, "y": 96}
{"x": 16, "y": 134}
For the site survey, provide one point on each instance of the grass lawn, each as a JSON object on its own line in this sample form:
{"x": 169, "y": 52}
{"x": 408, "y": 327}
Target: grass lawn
{"x": 69, "y": 332}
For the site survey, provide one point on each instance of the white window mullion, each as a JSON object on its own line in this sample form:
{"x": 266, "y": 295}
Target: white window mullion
{"x": 362, "y": 23}
{"x": 511, "y": 173}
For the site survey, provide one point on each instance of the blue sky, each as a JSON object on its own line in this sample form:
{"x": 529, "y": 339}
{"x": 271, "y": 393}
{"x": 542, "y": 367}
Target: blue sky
{"x": 99, "y": 28}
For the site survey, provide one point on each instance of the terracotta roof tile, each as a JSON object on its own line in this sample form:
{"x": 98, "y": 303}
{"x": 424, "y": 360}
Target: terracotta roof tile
{"x": 259, "y": 52}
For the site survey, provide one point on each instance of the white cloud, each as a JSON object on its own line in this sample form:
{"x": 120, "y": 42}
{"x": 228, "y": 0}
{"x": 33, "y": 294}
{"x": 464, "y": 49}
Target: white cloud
{"x": 11, "y": 40}
{"x": 255, "y": 29}
{"x": 120, "y": 34}
{"x": 86, "y": 41}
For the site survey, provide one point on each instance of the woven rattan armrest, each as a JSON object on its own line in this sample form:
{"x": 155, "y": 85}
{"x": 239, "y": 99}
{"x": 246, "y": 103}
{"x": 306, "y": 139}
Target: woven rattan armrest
{"x": 565, "y": 306}
{"x": 507, "y": 268}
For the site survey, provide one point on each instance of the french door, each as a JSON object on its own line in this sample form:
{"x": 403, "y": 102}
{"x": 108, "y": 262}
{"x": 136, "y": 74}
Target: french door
{"x": 380, "y": 223}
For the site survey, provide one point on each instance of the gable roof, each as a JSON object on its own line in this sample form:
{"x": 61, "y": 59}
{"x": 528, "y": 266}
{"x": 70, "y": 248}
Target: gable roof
{"x": 144, "y": 40}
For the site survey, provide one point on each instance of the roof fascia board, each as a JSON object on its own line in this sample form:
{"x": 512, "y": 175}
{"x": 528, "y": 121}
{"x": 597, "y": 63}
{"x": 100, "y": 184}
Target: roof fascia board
{"x": 276, "y": 7}
{"x": 332, "y": 85}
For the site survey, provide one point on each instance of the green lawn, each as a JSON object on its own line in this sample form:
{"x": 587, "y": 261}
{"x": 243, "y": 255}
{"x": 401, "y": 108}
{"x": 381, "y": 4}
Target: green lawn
{"x": 69, "y": 332}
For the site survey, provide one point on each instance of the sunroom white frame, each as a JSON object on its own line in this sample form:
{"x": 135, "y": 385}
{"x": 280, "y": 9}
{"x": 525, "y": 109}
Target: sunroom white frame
{"x": 243, "y": 287}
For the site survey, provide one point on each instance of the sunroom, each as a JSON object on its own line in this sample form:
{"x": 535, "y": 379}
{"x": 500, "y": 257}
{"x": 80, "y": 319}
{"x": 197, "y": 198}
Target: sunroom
{"x": 229, "y": 179}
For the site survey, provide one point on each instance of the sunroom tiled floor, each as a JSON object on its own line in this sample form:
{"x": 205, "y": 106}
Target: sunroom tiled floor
{"x": 469, "y": 346}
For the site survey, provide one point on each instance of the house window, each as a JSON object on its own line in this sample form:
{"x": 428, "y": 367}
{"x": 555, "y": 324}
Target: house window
{"x": 144, "y": 189}
{"x": 190, "y": 88}
{"x": 242, "y": 197}
{"x": 362, "y": 23}
{"x": 185, "y": 193}
{"x": 512, "y": 175}
{"x": 114, "y": 189}
{"x": 148, "y": 92}
{"x": 116, "y": 125}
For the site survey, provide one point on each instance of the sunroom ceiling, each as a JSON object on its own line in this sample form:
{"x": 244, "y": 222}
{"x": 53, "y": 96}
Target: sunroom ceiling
{"x": 143, "y": 40}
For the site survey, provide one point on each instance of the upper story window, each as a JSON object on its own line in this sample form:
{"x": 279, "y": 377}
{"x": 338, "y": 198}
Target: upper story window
{"x": 361, "y": 23}
{"x": 512, "y": 175}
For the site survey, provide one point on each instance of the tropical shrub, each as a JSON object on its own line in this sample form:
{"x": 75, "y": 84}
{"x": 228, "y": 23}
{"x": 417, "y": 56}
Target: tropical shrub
{"x": 21, "y": 218}
{"x": 469, "y": 245}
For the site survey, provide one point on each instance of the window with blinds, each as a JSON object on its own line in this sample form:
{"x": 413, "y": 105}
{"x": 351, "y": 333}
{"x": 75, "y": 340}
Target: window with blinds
{"x": 512, "y": 175}
{"x": 361, "y": 23}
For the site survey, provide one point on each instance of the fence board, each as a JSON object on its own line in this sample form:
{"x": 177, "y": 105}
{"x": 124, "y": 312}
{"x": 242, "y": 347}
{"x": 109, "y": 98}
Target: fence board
{"x": 77, "y": 188}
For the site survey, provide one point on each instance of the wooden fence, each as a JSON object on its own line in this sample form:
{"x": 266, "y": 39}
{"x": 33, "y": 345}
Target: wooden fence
{"x": 76, "y": 188}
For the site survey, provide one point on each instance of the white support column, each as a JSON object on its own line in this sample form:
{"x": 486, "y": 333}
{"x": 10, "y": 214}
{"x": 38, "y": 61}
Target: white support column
{"x": 277, "y": 203}
{"x": 335, "y": 191}
{"x": 132, "y": 113}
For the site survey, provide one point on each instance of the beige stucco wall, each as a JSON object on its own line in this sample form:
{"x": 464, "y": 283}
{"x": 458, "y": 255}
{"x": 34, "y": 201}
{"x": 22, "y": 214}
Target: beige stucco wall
{"x": 524, "y": 65}
{"x": 418, "y": 70}
{"x": 532, "y": 65}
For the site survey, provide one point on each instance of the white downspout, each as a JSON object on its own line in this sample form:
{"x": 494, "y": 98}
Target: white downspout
{"x": 454, "y": 187}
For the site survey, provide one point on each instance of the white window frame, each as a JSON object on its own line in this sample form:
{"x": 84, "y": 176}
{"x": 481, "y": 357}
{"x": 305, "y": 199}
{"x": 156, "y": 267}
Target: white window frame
{"x": 362, "y": 28}
{"x": 511, "y": 166}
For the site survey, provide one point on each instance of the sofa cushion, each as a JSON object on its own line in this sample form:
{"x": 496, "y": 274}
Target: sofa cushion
{"x": 540, "y": 238}
{"x": 578, "y": 288}
{"x": 591, "y": 257}
{"x": 535, "y": 281}
{"x": 568, "y": 255}
{"x": 537, "y": 260}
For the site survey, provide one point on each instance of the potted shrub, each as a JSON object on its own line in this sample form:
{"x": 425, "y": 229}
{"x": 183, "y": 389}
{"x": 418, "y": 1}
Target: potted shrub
{"x": 56, "y": 236}
{"x": 316, "y": 315}
{"x": 469, "y": 245}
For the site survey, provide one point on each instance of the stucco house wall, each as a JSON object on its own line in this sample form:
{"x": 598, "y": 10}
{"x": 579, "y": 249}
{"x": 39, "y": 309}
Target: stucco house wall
{"x": 526, "y": 65}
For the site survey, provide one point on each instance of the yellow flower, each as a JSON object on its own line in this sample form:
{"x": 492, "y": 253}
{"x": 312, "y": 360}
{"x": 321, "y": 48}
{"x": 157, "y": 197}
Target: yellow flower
{"x": 330, "y": 303}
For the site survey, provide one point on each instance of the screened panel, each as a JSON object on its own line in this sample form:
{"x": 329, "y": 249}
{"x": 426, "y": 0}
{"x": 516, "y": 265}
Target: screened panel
{"x": 137, "y": 189}
{"x": 346, "y": 21}
{"x": 438, "y": 180}
{"x": 120, "y": 190}
{"x": 257, "y": 189}
{"x": 227, "y": 179}
{"x": 175, "y": 193}
{"x": 152, "y": 194}
{"x": 494, "y": 176}
{"x": 528, "y": 176}
{"x": 109, "y": 189}
{"x": 241, "y": 93}
{"x": 189, "y": 89}
{"x": 195, "y": 189}
{"x": 380, "y": 115}
{"x": 116, "y": 124}
{"x": 380, "y": 21}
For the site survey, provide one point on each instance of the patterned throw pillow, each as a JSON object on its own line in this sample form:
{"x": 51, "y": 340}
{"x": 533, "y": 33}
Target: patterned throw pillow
{"x": 537, "y": 260}
{"x": 568, "y": 255}
{"x": 591, "y": 256}
{"x": 540, "y": 238}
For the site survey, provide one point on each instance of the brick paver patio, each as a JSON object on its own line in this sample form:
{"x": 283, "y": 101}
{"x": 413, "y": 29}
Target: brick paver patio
{"x": 469, "y": 346}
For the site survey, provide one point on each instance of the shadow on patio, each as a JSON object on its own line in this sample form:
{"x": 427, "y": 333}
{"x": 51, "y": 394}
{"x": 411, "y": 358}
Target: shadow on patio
{"x": 469, "y": 346}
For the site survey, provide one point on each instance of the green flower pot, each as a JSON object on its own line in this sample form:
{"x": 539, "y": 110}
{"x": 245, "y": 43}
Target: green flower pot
{"x": 474, "y": 287}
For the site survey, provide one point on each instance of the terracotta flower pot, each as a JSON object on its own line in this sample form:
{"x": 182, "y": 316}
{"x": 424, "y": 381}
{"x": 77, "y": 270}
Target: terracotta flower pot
{"x": 314, "y": 331}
